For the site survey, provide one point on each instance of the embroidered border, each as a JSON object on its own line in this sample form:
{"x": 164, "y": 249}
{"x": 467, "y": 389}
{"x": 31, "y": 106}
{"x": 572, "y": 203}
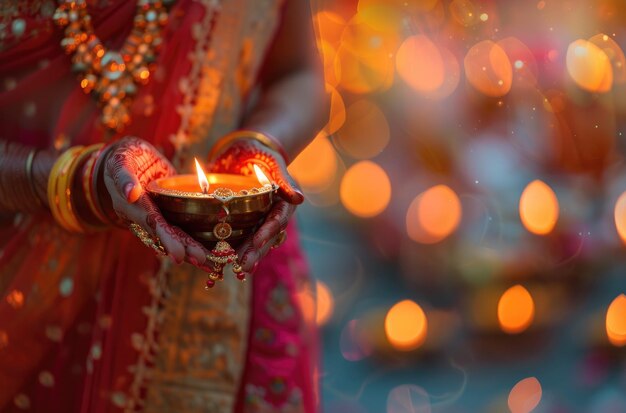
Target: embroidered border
{"x": 146, "y": 343}
{"x": 200, "y": 88}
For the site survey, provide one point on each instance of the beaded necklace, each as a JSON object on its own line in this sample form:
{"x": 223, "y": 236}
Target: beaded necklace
{"x": 112, "y": 77}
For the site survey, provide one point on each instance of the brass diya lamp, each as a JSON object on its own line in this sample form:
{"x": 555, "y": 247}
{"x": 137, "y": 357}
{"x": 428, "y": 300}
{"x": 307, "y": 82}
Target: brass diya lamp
{"x": 216, "y": 210}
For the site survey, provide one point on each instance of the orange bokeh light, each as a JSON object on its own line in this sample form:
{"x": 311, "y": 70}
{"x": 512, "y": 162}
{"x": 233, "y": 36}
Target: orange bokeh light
{"x": 364, "y": 62}
{"x": 464, "y": 12}
{"x": 433, "y": 215}
{"x": 589, "y": 66}
{"x": 615, "y": 54}
{"x": 328, "y": 54}
{"x": 406, "y": 325}
{"x": 525, "y": 395}
{"x": 414, "y": 51}
{"x": 315, "y": 167}
{"x": 488, "y": 69}
{"x": 337, "y": 116}
{"x": 325, "y": 304}
{"x": 366, "y": 131}
{"x": 616, "y": 321}
{"x": 516, "y": 310}
{"x": 522, "y": 59}
{"x": 329, "y": 25}
{"x": 620, "y": 216}
{"x": 365, "y": 189}
{"x": 382, "y": 15}
{"x": 539, "y": 208}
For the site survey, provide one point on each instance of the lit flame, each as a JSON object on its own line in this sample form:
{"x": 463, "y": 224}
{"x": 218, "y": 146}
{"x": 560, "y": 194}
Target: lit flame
{"x": 202, "y": 179}
{"x": 260, "y": 176}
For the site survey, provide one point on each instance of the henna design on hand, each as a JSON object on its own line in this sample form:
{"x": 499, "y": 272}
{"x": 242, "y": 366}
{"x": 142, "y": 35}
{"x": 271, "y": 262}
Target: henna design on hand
{"x": 131, "y": 165}
{"x": 257, "y": 247}
{"x": 239, "y": 158}
{"x": 242, "y": 154}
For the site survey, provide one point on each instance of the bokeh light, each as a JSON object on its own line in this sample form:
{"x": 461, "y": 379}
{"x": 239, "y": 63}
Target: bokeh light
{"x": 522, "y": 59}
{"x": 414, "y": 51}
{"x": 406, "y": 325}
{"x": 328, "y": 54}
{"x": 314, "y": 169}
{"x": 488, "y": 69}
{"x": 620, "y": 216}
{"x": 365, "y": 189}
{"x": 337, "y": 116}
{"x": 365, "y": 133}
{"x": 364, "y": 61}
{"x": 382, "y": 15}
{"x": 325, "y": 304}
{"x": 589, "y": 66}
{"x": 525, "y": 395}
{"x": 464, "y": 12}
{"x": 615, "y": 54}
{"x": 616, "y": 321}
{"x": 539, "y": 208}
{"x": 516, "y": 310}
{"x": 352, "y": 342}
{"x": 330, "y": 26}
{"x": 408, "y": 398}
{"x": 433, "y": 215}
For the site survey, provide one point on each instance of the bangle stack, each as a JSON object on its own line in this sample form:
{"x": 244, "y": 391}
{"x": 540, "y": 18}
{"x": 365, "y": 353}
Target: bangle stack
{"x": 17, "y": 187}
{"x": 264, "y": 139}
{"x": 62, "y": 186}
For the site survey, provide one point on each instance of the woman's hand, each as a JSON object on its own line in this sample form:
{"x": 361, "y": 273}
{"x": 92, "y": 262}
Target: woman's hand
{"x": 130, "y": 165}
{"x": 239, "y": 157}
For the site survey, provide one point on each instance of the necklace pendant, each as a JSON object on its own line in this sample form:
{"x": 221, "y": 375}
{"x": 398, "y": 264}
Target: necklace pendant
{"x": 112, "y": 64}
{"x": 112, "y": 77}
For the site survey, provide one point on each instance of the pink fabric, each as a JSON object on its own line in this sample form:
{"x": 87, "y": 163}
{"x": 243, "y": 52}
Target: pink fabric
{"x": 83, "y": 340}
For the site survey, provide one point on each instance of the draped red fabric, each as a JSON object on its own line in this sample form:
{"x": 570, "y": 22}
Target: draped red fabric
{"x": 72, "y": 305}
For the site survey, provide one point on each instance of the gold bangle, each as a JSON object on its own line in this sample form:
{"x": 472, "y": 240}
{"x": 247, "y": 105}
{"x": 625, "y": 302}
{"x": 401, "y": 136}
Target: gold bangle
{"x": 264, "y": 139}
{"x": 88, "y": 185}
{"x": 71, "y": 179}
{"x": 54, "y": 184}
{"x": 64, "y": 192}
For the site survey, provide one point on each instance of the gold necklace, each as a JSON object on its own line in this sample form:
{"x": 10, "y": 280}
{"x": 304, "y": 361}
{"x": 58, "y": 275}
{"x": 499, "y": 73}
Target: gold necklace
{"x": 112, "y": 77}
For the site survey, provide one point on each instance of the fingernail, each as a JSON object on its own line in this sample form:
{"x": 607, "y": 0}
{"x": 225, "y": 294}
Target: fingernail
{"x": 127, "y": 188}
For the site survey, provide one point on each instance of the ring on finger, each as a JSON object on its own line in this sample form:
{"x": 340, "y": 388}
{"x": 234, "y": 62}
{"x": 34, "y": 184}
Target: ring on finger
{"x": 280, "y": 239}
{"x": 144, "y": 236}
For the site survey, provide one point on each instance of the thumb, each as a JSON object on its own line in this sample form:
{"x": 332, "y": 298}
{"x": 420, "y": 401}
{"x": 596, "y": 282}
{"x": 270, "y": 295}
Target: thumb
{"x": 288, "y": 189}
{"x": 120, "y": 169}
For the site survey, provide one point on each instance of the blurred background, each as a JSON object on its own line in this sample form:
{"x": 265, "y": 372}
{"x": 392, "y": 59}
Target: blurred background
{"x": 466, "y": 207}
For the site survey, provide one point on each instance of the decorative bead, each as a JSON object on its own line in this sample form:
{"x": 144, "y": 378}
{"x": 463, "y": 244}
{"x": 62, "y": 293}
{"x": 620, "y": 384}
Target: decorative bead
{"x": 210, "y": 284}
{"x": 60, "y": 17}
{"x": 241, "y": 276}
{"x": 113, "y": 65}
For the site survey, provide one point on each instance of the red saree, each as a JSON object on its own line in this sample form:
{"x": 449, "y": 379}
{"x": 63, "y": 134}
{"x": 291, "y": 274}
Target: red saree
{"x": 95, "y": 323}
